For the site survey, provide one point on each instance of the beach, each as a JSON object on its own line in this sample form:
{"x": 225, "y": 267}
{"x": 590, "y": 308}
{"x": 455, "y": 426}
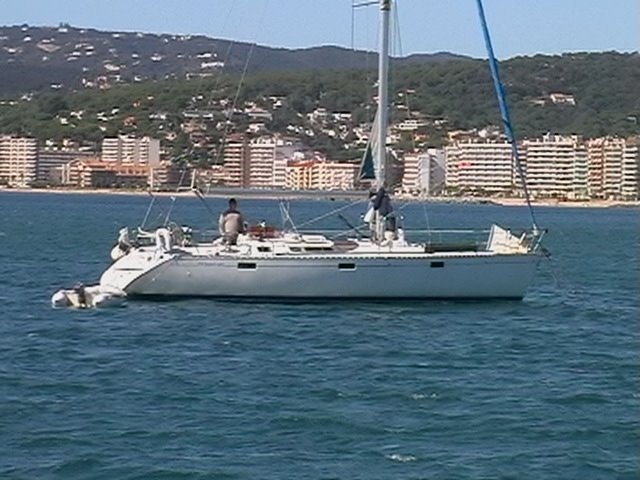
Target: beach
{"x": 334, "y": 195}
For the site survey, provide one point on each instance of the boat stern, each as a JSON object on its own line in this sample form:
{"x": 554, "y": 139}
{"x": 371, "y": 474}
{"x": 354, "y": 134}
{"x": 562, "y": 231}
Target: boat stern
{"x": 130, "y": 267}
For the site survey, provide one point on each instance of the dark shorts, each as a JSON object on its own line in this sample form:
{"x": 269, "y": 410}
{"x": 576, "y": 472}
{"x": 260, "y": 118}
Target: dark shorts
{"x": 231, "y": 238}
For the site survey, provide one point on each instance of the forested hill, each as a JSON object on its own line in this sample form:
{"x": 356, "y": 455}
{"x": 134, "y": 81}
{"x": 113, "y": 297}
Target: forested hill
{"x": 599, "y": 93}
{"x": 64, "y": 57}
{"x": 590, "y": 94}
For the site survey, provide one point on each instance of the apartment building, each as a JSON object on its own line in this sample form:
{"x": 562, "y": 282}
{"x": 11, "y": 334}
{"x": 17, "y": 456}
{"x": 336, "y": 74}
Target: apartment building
{"x": 236, "y": 161}
{"x": 87, "y": 173}
{"x": 629, "y": 187}
{"x": 298, "y": 174}
{"x": 595, "y": 167}
{"x": 262, "y": 159}
{"x": 433, "y": 172}
{"x": 267, "y": 162}
{"x": 424, "y": 173}
{"x": 411, "y": 178}
{"x": 556, "y": 166}
{"x": 94, "y": 173}
{"x": 320, "y": 174}
{"x": 129, "y": 150}
{"x": 18, "y": 161}
{"x": 50, "y": 161}
{"x": 481, "y": 167}
{"x": 257, "y": 163}
{"x": 613, "y": 168}
{"x": 327, "y": 175}
{"x": 168, "y": 176}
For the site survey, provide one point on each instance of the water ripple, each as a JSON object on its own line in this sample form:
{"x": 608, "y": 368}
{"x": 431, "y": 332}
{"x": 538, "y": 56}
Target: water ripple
{"x": 544, "y": 388}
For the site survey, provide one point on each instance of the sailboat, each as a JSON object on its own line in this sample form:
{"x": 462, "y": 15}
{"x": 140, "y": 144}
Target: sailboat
{"x": 267, "y": 264}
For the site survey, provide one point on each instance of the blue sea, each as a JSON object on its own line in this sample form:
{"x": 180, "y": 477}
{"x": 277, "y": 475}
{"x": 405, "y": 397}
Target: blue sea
{"x": 203, "y": 389}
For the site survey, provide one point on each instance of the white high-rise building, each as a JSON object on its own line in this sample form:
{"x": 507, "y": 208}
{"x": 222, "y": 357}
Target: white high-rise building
{"x": 556, "y": 166}
{"x": 268, "y": 156}
{"x": 18, "y": 160}
{"x": 236, "y": 156}
{"x": 129, "y": 150}
{"x": 424, "y": 173}
{"x": 262, "y": 157}
{"x": 595, "y": 152}
{"x": 629, "y": 188}
{"x": 433, "y": 172}
{"x": 326, "y": 175}
{"x": 411, "y": 178}
{"x": 479, "y": 167}
{"x": 553, "y": 164}
{"x": 298, "y": 174}
{"x": 613, "y": 168}
{"x": 319, "y": 174}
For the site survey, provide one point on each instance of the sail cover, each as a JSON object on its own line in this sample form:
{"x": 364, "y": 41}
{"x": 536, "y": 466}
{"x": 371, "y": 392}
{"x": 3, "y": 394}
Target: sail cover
{"x": 369, "y": 170}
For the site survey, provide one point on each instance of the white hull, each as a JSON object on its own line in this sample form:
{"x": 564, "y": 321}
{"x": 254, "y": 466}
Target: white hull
{"x": 460, "y": 275}
{"x": 263, "y": 263}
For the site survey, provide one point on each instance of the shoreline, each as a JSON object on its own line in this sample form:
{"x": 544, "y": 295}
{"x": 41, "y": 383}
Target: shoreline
{"x": 321, "y": 195}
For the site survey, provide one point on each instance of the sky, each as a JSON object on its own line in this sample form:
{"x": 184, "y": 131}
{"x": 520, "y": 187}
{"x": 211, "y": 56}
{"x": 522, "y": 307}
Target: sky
{"x": 518, "y": 27}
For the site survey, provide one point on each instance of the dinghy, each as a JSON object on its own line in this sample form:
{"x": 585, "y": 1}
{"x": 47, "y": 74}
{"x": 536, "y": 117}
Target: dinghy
{"x": 95, "y": 296}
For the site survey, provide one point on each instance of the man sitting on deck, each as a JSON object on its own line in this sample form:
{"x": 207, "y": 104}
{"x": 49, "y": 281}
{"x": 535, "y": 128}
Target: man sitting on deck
{"x": 231, "y": 223}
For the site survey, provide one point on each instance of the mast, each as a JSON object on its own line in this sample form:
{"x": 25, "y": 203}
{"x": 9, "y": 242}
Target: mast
{"x": 383, "y": 93}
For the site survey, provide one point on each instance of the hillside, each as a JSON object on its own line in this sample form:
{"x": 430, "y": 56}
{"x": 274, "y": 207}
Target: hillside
{"x": 592, "y": 95}
{"x": 64, "y": 57}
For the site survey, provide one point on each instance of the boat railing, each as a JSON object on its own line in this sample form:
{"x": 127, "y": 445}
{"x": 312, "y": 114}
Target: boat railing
{"x": 438, "y": 239}
{"x": 433, "y": 239}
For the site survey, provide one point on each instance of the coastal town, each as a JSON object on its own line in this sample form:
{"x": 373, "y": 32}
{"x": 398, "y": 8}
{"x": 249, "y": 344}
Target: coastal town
{"x": 319, "y": 239}
{"x": 471, "y": 164}
{"x": 121, "y": 128}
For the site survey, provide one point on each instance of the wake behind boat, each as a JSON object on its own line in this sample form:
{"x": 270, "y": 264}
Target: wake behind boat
{"x": 292, "y": 264}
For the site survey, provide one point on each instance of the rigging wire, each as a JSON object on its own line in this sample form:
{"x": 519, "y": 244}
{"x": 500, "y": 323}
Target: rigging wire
{"x": 351, "y": 229}
{"x": 397, "y": 37}
{"x": 146, "y": 215}
{"x": 153, "y": 199}
{"x": 200, "y": 196}
{"x": 182, "y": 175}
{"x": 166, "y": 218}
{"x": 218, "y": 77}
{"x": 368, "y": 53}
{"x": 353, "y": 30}
{"x": 286, "y": 215}
{"x": 426, "y": 219}
{"x": 227, "y": 55}
{"x": 328, "y": 214}
{"x": 234, "y": 103}
{"x": 245, "y": 68}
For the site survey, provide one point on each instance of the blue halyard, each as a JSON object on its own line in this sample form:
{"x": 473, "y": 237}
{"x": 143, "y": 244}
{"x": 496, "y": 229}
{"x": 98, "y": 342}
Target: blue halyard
{"x": 504, "y": 110}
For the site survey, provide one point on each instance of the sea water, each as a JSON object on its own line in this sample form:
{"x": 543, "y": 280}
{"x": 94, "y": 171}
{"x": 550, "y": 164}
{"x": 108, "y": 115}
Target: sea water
{"x": 543, "y": 388}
